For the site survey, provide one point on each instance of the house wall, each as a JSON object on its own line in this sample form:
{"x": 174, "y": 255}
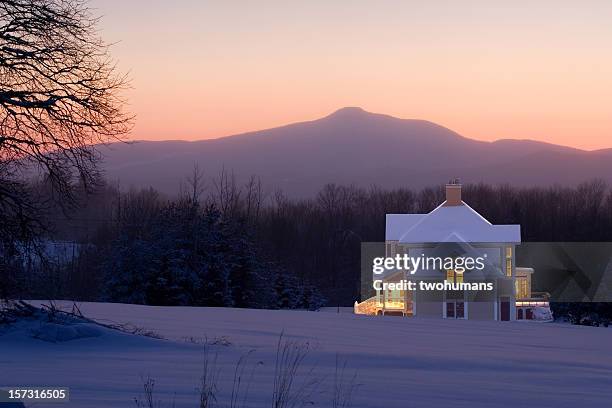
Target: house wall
{"x": 429, "y": 309}
{"x": 429, "y": 304}
{"x": 481, "y": 305}
{"x": 481, "y": 310}
{"x": 505, "y": 287}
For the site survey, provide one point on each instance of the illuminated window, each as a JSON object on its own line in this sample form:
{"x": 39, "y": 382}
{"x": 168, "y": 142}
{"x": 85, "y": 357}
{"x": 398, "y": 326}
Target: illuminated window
{"x": 459, "y": 277}
{"x": 523, "y": 291}
{"x": 508, "y": 261}
{"x": 394, "y": 299}
{"x": 452, "y": 276}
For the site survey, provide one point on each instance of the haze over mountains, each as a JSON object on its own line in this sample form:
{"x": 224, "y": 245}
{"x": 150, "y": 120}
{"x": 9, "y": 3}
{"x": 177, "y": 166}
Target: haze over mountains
{"x": 352, "y": 146}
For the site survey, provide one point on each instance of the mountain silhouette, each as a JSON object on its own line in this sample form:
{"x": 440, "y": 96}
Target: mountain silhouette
{"x": 352, "y": 146}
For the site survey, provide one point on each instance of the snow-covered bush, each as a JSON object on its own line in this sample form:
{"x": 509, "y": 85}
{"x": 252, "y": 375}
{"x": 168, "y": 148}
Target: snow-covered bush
{"x": 542, "y": 314}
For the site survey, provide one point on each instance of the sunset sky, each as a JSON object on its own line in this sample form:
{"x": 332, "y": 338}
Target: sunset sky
{"x": 486, "y": 69}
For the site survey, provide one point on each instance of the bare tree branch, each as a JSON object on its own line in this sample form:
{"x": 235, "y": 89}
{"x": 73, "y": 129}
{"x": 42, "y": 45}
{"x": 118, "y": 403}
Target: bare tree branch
{"x": 59, "y": 90}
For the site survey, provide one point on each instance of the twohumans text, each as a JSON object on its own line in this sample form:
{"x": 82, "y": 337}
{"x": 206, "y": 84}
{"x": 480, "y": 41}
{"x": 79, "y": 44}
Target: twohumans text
{"x": 432, "y": 286}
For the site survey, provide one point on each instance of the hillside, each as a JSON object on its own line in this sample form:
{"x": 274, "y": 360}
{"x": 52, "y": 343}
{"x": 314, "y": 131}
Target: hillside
{"x": 352, "y": 146}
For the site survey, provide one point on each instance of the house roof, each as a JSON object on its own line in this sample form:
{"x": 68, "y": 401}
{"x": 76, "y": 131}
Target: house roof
{"x": 397, "y": 224}
{"x": 458, "y": 223}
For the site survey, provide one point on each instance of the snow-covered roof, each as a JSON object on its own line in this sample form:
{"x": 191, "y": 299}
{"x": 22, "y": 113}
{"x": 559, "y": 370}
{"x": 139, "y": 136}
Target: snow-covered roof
{"x": 397, "y": 224}
{"x": 454, "y": 223}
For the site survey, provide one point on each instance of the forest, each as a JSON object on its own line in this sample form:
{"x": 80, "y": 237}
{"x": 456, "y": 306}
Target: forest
{"x": 221, "y": 243}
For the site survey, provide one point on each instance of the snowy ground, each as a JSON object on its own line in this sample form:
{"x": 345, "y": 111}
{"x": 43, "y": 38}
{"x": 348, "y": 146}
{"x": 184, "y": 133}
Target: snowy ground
{"x": 400, "y": 362}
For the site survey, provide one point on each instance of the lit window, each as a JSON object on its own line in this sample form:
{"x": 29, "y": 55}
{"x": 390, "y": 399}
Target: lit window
{"x": 522, "y": 288}
{"x": 459, "y": 277}
{"x": 394, "y": 299}
{"x": 508, "y": 261}
{"x": 452, "y": 276}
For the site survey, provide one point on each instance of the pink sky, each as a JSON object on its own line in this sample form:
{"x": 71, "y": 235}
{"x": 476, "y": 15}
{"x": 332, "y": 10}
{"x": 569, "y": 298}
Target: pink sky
{"x": 488, "y": 70}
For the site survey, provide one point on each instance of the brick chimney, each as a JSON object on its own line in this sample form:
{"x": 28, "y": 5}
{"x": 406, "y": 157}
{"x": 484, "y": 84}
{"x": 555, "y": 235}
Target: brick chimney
{"x": 453, "y": 193}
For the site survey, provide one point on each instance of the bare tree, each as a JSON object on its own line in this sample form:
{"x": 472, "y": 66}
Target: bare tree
{"x": 253, "y": 198}
{"x": 59, "y": 94}
{"x": 227, "y": 194}
{"x": 19, "y": 215}
{"x": 195, "y": 183}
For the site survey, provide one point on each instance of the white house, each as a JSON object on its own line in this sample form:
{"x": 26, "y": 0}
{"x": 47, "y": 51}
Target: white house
{"x": 455, "y": 229}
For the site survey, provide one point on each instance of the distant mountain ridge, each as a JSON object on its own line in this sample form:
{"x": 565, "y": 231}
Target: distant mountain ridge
{"x": 352, "y": 146}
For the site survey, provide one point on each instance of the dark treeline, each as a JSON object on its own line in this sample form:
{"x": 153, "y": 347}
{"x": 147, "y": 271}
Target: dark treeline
{"x": 225, "y": 244}
{"x": 321, "y": 237}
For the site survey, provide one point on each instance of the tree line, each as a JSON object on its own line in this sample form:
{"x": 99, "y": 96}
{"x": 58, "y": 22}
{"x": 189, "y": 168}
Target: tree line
{"x": 224, "y": 244}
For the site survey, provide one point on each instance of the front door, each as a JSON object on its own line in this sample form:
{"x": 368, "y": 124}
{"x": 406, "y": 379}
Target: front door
{"x": 450, "y": 310}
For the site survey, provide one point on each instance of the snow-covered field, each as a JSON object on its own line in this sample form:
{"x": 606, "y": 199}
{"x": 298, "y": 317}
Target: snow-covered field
{"x": 400, "y": 362}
